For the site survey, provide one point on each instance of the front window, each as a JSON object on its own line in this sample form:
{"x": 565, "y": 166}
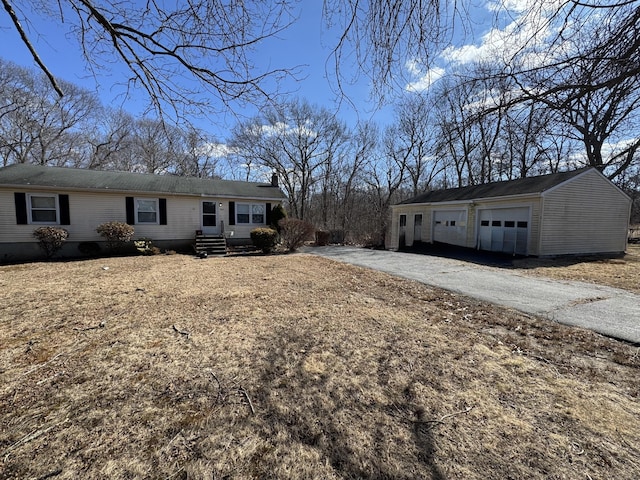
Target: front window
{"x": 43, "y": 208}
{"x": 250, "y": 213}
{"x": 147, "y": 210}
{"x": 257, "y": 213}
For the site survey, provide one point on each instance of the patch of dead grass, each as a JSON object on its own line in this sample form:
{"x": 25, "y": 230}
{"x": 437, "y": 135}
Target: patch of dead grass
{"x": 621, "y": 272}
{"x": 297, "y": 367}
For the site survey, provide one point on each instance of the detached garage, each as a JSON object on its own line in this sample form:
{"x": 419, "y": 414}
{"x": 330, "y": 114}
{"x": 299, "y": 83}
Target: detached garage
{"x": 567, "y": 213}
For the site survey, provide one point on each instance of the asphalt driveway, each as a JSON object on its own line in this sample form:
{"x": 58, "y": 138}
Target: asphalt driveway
{"x": 610, "y": 311}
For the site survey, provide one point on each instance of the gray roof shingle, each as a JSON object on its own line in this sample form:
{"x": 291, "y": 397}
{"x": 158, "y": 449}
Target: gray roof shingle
{"x": 24, "y": 175}
{"x": 520, "y": 186}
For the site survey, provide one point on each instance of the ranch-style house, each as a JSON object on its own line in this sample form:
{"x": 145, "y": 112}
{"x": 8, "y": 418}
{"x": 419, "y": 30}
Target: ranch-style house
{"x": 167, "y": 209}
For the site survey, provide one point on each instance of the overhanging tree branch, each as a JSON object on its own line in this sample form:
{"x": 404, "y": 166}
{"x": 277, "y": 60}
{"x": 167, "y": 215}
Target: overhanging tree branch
{"x": 25, "y": 39}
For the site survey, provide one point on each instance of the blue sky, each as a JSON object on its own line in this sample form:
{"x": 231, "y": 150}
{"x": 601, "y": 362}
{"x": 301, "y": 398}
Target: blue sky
{"x": 306, "y": 43}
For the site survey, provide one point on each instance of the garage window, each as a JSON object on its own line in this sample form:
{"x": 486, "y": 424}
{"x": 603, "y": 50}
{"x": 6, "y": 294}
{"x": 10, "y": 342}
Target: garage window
{"x": 509, "y": 224}
{"x": 484, "y": 223}
{"x": 496, "y": 223}
{"x": 523, "y": 224}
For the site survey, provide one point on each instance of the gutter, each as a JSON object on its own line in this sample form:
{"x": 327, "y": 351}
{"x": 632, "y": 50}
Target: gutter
{"x": 475, "y": 200}
{"x": 130, "y": 192}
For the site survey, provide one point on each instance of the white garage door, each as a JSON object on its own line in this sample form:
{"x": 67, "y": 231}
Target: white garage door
{"x": 504, "y": 230}
{"x": 450, "y": 226}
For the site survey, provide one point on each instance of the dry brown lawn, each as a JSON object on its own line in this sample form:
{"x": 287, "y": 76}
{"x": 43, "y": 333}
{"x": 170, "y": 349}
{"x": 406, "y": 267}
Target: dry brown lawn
{"x": 297, "y": 367}
{"x": 621, "y": 272}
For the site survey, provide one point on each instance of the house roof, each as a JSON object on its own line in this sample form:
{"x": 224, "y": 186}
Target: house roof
{"x": 520, "y": 186}
{"x": 24, "y": 175}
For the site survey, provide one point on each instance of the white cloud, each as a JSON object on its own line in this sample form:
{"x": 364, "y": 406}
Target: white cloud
{"x": 523, "y": 38}
{"x": 544, "y": 7}
{"x": 279, "y": 128}
{"x": 425, "y": 80}
{"x": 215, "y": 150}
{"x": 517, "y": 6}
{"x": 282, "y": 129}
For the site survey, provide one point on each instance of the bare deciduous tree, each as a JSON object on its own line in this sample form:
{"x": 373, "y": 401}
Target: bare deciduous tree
{"x": 297, "y": 141}
{"x": 38, "y": 127}
{"x": 385, "y": 180}
{"x": 588, "y": 74}
{"x": 411, "y": 141}
{"x": 382, "y": 36}
{"x": 173, "y": 53}
{"x": 111, "y": 143}
{"x": 199, "y": 157}
{"x": 456, "y": 140}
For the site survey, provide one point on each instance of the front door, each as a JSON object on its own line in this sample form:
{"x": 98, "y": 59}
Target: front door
{"x": 210, "y": 223}
{"x": 402, "y": 232}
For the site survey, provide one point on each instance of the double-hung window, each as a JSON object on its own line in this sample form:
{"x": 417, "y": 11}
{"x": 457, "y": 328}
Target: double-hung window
{"x": 250, "y": 213}
{"x": 43, "y": 208}
{"x": 146, "y": 210}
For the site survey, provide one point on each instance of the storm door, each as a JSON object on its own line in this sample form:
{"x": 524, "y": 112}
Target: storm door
{"x": 210, "y": 223}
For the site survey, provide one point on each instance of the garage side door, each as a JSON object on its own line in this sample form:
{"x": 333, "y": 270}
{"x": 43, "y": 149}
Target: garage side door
{"x": 504, "y": 230}
{"x": 450, "y": 226}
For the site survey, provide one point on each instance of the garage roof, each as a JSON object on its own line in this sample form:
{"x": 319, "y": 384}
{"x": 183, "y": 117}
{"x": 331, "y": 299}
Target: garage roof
{"x": 23, "y": 175}
{"x": 530, "y": 185}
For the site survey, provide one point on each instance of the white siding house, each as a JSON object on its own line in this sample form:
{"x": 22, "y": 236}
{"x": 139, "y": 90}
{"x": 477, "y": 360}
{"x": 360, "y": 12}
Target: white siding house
{"x": 167, "y": 209}
{"x": 567, "y": 213}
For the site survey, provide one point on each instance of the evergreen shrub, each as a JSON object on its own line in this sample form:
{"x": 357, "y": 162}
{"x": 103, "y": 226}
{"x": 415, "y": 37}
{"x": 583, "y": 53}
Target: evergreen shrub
{"x": 264, "y": 238}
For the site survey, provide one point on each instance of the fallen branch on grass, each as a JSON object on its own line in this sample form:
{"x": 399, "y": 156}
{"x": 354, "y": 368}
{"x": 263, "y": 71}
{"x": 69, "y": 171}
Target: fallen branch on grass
{"x": 37, "y": 367}
{"x": 53, "y": 473}
{"x": 100, "y": 325}
{"x": 175, "y": 474}
{"x": 182, "y": 332}
{"x": 219, "y": 396}
{"x": 222, "y": 393}
{"x": 29, "y": 437}
{"x": 441, "y": 420}
{"x": 246, "y": 395}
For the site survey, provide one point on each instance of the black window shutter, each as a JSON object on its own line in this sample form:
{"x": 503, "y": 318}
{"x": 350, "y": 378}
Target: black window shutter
{"x": 163, "y": 211}
{"x": 131, "y": 213}
{"x": 232, "y": 213}
{"x": 267, "y": 219}
{"x": 63, "y": 201}
{"x": 21, "y": 208}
